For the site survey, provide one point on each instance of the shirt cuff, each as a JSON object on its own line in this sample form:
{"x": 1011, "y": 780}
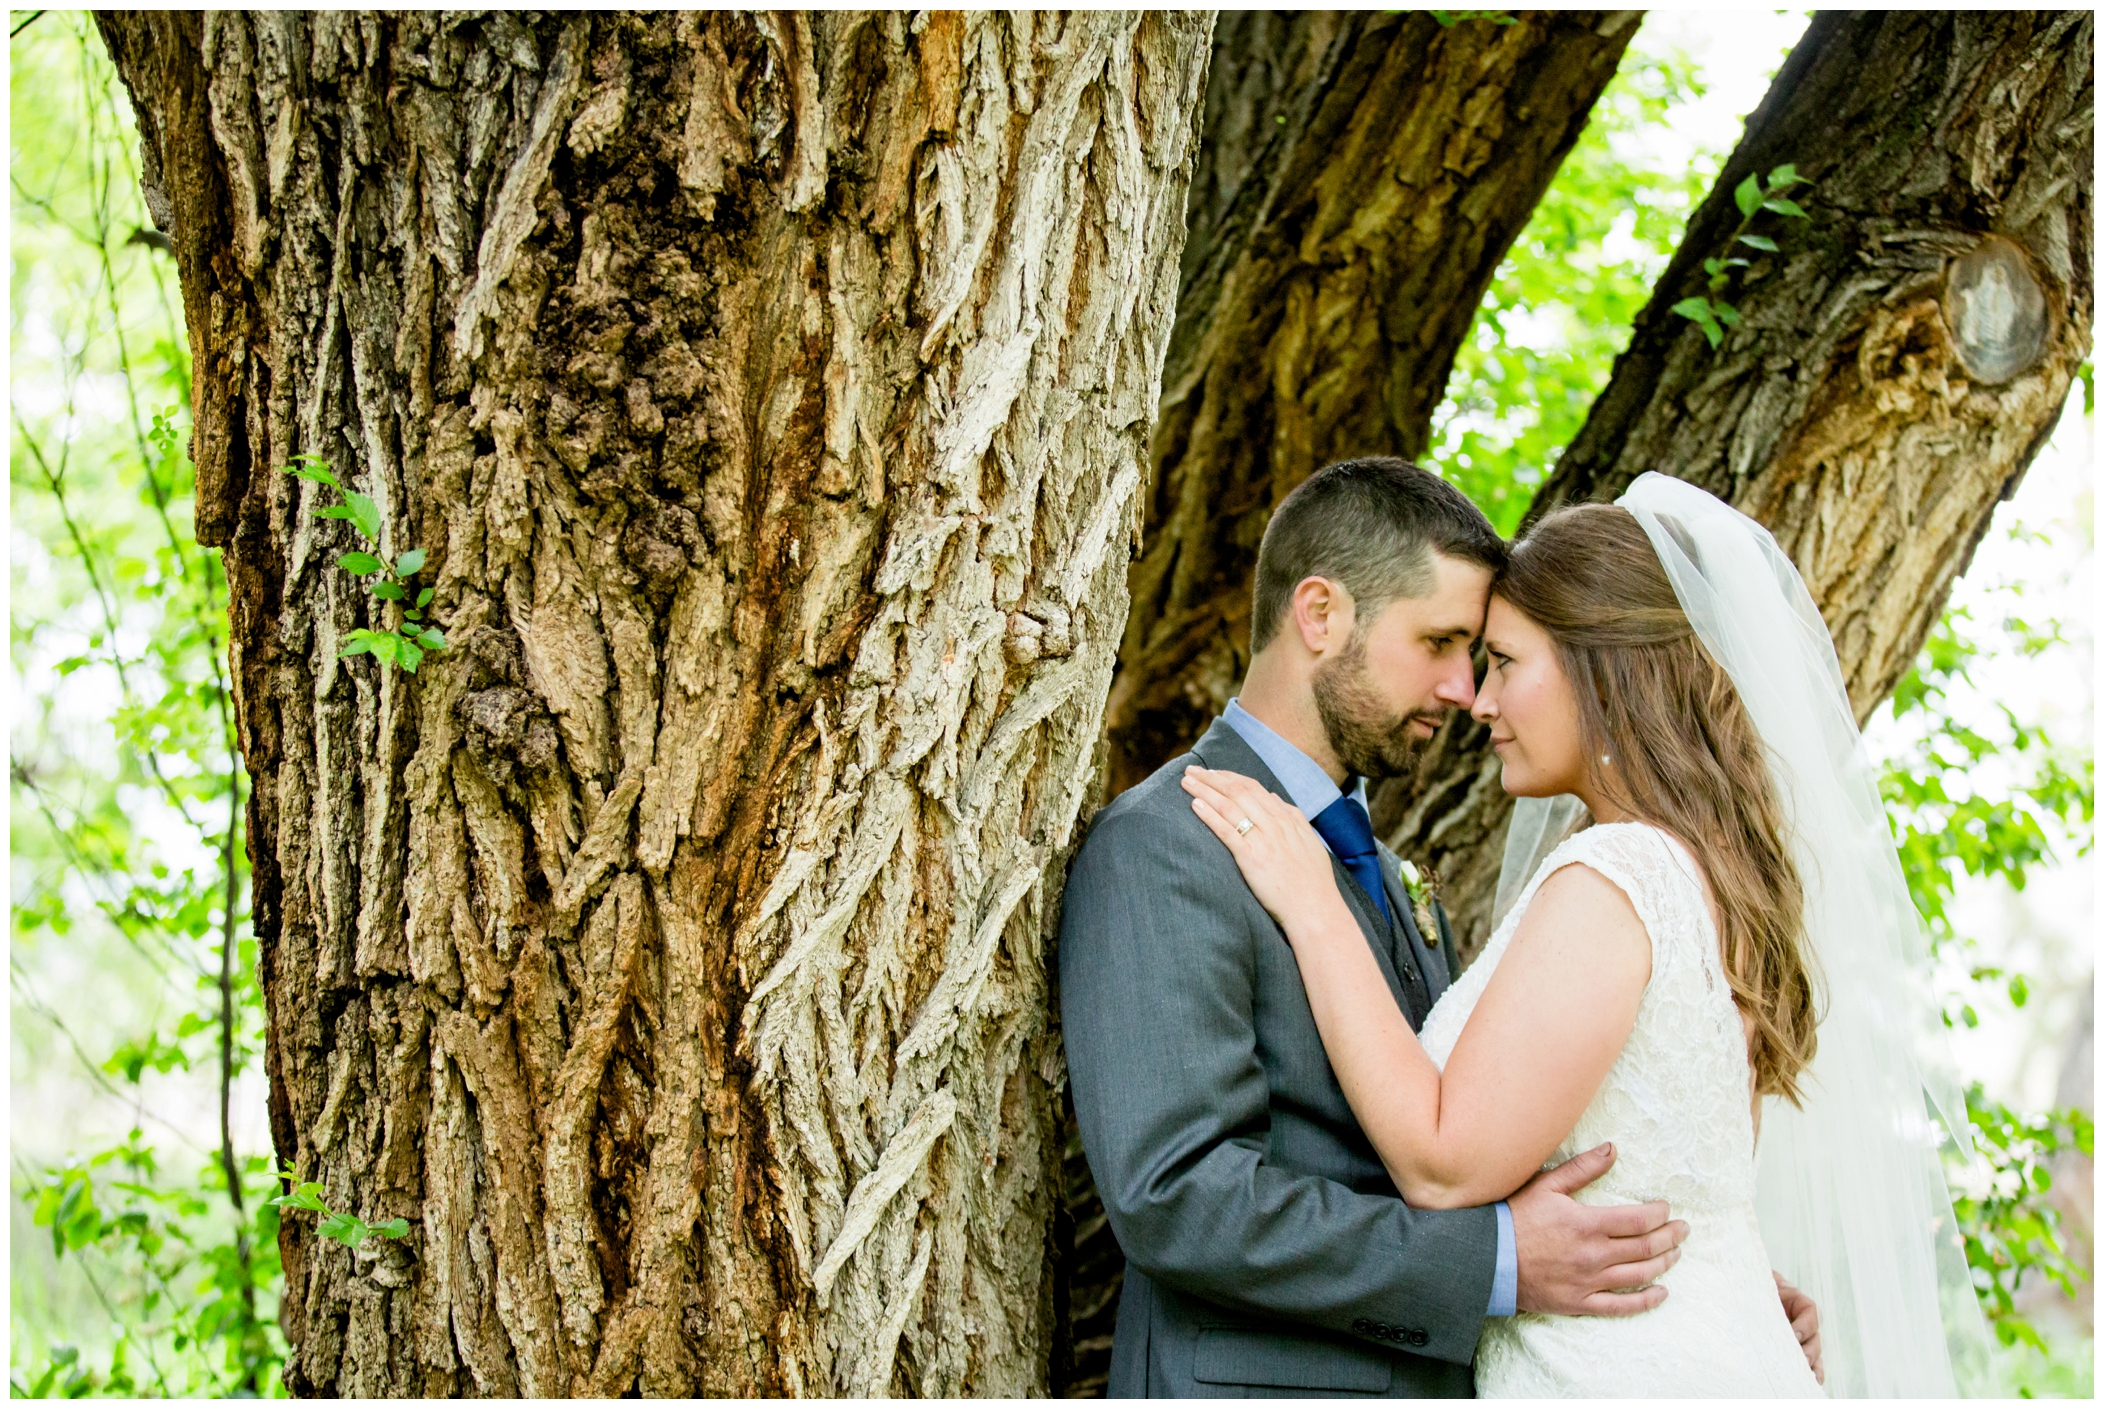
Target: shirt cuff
{"x": 1505, "y": 1284}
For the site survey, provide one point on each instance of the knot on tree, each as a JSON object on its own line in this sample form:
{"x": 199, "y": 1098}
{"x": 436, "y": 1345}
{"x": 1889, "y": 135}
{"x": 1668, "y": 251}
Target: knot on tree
{"x": 659, "y": 542}
{"x": 508, "y": 727}
{"x": 388, "y": 1261}
{"x": 509, "y": 723}
{"x": 1996, "y": 311}
{"x": 1049, "y": 632}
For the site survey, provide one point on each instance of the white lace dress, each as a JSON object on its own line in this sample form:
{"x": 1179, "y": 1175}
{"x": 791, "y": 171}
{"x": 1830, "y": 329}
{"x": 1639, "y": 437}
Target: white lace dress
{"x": 1675, "y": 1104}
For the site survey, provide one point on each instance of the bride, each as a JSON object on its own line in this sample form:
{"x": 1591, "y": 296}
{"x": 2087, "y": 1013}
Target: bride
{"x": 1731, "y": 932}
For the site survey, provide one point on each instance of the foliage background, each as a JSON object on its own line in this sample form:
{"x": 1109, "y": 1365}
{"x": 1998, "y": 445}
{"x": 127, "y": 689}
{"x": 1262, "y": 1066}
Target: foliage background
{"x": 135, "y": 1018}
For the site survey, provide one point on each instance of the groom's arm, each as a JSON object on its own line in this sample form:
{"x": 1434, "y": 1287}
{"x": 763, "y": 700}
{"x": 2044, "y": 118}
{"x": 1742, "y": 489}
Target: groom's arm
{"x": 1157, "y": 976}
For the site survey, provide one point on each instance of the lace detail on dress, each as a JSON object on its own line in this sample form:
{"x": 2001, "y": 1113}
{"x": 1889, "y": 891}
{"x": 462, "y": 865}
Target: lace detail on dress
{"x": 1676, "y": 1104}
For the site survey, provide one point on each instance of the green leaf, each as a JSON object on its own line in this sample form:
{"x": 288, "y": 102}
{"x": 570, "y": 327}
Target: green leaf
{"x": 1760, "y": 242}
{"x": 408, "y": 654}
{"x": 1713, "y": 266}
{"x": 70, "y": 1202}
{"x": 358, "y": 641}
{"x": 334, "y": 511}
{"x": 364, "y": 513}
{"x": 432, "y": 638}
{"x": 409, "y": 562}
{"x": 306, "y": 1196}
{"x": 412, "y": 614}
{"x": 1704, "y": 316}
{"x": 1748, "y": 196}
{"x": 1726, "y": 314}
{"x": 361, "y": 641}
{"x": 423, "y": 599}
{"x": 387, "y": 591}
{"x": 393, "y": 1228}
{"x": 1784, "y": 175}
{"x": 363, "y": 564}
{"x": 313, "y": 467}
{"x": 1783, "y": 207}
{"x": 344, "y": 1229}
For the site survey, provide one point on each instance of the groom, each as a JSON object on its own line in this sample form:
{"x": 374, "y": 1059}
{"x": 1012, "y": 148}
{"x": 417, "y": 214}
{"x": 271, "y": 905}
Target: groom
{"x": 1267, "y": 1250}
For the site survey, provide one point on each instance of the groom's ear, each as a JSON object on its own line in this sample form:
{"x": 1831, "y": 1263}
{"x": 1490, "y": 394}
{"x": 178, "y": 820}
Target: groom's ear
{"x": 1322, "y": 615}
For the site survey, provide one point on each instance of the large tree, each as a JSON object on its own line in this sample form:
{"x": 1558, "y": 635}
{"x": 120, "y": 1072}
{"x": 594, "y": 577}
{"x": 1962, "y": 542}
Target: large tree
{"x": 771, "y": 394}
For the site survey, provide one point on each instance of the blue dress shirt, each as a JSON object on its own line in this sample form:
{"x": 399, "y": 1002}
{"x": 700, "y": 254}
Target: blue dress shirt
{"x": 1311, "y": 789}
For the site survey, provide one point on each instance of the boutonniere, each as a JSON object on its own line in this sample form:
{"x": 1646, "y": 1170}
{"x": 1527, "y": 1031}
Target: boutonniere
{"x": 1423, "y": 888}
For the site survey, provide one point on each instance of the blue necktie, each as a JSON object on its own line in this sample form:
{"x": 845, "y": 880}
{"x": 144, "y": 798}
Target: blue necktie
{"x": 1348, "y": 832}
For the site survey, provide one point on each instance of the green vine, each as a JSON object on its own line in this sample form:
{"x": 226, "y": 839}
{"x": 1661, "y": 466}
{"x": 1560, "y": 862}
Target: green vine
{"x": 345, "y": 1228}
{"x": 1713, "y": 314}
{"x": 406, "y": 643}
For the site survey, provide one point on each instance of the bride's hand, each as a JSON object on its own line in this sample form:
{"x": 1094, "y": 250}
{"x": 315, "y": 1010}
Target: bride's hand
{"x": 1281, "y": 856}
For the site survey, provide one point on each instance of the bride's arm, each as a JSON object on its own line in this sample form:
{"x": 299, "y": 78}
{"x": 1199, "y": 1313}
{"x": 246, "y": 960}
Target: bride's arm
{"x": 1541, "y": 1039}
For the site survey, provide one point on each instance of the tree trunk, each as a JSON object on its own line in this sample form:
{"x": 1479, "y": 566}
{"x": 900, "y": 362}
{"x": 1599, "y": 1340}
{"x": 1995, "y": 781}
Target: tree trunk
{"x": 772, "y": 395}
{"x": 1897, "y": 365}
{"x": 1363, "y": 175}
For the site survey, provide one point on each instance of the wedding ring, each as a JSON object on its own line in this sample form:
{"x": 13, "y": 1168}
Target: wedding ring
{"x": 1242, "y": 827}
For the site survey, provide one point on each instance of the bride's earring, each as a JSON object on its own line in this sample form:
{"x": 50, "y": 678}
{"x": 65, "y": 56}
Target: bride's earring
{"x": 1606, "y": 759}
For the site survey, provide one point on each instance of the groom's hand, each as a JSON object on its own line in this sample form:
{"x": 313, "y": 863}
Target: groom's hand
{"x": 1576, "y": 1260}
{"x": 1804, "y": 1320}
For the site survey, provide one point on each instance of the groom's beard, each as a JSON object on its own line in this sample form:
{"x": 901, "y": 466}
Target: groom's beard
{"x": 1367, "y": 739}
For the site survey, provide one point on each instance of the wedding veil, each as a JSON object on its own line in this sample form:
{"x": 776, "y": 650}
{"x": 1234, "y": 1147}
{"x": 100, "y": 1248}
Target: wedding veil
{"x": 1852, "y": 1200}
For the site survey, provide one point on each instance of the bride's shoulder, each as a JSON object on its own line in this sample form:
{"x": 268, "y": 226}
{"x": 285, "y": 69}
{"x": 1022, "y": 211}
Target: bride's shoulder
{"x": 1615, "y": 838}
{"x": 1638, "y": 853}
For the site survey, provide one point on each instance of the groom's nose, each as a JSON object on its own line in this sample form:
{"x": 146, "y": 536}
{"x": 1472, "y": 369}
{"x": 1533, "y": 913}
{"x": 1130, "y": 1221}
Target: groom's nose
{"x": 1457, "y": 687}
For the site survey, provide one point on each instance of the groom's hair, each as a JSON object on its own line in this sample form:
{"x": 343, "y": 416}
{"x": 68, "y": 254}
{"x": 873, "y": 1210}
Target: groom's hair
{"x": 1371, "y": 526}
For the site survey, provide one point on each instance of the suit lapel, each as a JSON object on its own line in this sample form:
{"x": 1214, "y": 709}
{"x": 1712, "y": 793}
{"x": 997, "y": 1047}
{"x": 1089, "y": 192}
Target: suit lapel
{"x": 1224, "y": 749}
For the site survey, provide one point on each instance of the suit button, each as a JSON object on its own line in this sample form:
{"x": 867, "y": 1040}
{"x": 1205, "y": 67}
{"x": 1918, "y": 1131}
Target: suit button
{"x": 1419, "y": 1338}
{"x": 1362, "y": 1325}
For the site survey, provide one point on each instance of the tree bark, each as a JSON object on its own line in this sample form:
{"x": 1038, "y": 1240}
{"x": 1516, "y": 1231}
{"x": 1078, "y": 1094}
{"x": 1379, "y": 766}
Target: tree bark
{"x": 771, "y": 393}
{"x": 1897, "y": 367}
{"x": 1363, "y": 174}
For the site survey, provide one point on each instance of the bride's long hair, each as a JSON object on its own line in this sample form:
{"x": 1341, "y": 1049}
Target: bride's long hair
{"x": 1686, "y": 756}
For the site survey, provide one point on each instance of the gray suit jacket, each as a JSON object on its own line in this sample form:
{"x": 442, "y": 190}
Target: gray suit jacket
{"x": 1267, "y": 1251}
